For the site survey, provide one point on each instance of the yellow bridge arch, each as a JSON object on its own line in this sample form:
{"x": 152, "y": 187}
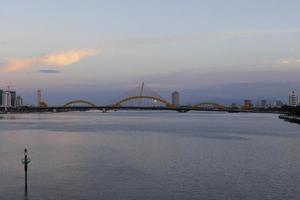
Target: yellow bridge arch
{"x": 212, "y": 104}
{"x": 119, "y": 103}
{"x": 79, "y": 101}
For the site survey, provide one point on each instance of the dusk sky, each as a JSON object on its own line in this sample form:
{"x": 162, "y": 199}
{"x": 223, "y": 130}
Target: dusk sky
{"x": 96, "y": 50}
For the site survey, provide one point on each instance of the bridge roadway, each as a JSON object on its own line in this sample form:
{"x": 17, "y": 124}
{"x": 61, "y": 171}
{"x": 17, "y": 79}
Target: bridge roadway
{"x": 103, "y": 108}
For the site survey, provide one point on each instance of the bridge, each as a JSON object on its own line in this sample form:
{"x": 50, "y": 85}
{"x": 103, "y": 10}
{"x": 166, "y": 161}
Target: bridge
{"x": 139, "y": 98}
{"x": 79, "y": 101}
{"x": 208, "y": 105}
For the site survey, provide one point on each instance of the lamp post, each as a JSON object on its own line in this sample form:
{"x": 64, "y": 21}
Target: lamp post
{"x": 25, "y": 161}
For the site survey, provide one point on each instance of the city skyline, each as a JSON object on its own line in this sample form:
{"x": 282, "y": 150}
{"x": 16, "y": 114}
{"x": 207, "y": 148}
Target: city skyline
{"x": 172, "y": 98}
{"x": 209, "y": 49}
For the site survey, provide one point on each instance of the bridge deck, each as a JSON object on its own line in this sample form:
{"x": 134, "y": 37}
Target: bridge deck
{"x": 102, "y": 108}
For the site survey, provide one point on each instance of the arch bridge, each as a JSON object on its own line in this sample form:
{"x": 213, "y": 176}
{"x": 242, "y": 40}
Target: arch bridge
{"x": 127, "y": 99}
{"x": 79, "y": 101}
{"x": 210, "y": 105}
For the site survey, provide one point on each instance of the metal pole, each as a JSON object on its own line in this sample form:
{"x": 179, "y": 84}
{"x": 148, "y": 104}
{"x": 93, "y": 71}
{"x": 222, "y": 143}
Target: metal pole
{"x": 26, "y": 160}
{"x": 25, "y": 168}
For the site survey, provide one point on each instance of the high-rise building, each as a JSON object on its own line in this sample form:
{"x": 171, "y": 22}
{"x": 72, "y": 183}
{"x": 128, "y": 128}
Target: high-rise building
{"x": 1, "y": 96}
{"x": 293, "y": 99}
{"x": 263, "y": 104}
{"x": 278, "y": 104}
{"x": 271, "y": 104}
{"x": 175, "y": 99}
{"x": 6, "y": 99}
{"x": 19, "y": 101}
{"x": 247, "y": 104}
{"x": 233, "y": 105}
{"x": 39, "y": 98}
{"x": 13, "y": 96}
{"x": 40, "y": 102}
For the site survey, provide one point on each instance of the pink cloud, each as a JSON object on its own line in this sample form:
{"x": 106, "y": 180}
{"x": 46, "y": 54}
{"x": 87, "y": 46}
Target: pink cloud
{"x": 59, "y": 59}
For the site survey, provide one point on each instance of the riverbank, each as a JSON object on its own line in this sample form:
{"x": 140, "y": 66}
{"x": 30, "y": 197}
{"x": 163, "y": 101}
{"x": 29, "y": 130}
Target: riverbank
{"x": 290, "y": 118}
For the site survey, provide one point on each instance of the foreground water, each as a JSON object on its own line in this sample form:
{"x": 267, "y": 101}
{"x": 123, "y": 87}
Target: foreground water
{"x": 150, "y": 155}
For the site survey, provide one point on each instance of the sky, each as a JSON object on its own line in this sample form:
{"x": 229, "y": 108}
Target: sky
{"x": 96, "y": 50}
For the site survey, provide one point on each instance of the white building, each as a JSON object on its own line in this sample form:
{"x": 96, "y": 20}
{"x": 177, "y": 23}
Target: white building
{"x": 6, "y": 99}
{"x": 19, "y": 101}
{"x": 293, "y": 99}
{"x": 39, "y": 98}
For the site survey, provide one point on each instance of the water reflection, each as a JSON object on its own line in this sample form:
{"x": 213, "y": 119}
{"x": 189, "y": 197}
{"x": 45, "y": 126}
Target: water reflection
{"x": 140, "y": 155}
{"x": 8, "y": 117}
{"x": 26, "y": 196}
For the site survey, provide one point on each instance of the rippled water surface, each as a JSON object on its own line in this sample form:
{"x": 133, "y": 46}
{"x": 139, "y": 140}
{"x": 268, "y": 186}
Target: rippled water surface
{"x": 150, "y": 155}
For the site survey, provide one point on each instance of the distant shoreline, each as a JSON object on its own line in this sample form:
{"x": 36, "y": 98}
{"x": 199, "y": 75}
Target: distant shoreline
{"x": 28, "y": 110}
{"x": 290, "y": 118}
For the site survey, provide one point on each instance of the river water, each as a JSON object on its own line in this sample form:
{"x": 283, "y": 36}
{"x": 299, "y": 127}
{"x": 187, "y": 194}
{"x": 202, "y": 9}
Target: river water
{"x": 150, "y": 155}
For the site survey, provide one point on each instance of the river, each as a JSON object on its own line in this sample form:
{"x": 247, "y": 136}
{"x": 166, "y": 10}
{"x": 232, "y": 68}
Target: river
{"x": 150, "y": 155}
